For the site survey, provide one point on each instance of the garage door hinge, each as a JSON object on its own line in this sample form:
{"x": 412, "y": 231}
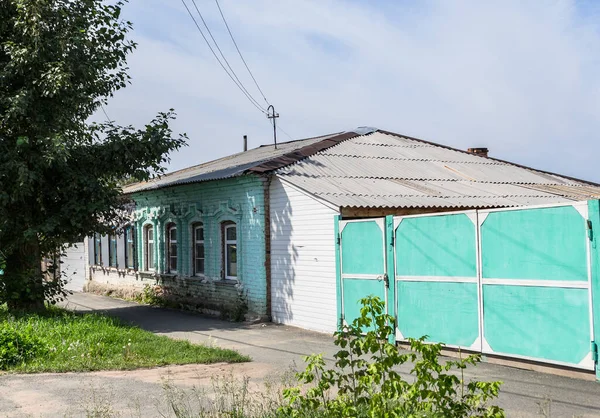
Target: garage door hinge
{"x": 590, "y": 231}
{"x": 339, "y": 239}
{"x": 341, "y": 321}
{"x": 595, "y": 351}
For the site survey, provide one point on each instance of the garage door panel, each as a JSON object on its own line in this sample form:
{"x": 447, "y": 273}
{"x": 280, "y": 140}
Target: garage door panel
{"x": 538, "y": 322}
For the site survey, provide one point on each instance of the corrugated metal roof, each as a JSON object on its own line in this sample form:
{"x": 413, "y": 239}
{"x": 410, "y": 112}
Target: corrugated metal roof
{"x": 388, "y": 170}
{"x": 230, "y": 166}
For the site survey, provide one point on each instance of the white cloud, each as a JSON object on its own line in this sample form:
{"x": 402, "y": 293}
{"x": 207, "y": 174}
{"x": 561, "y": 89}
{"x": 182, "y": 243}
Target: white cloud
{"x": 518, "y": 77}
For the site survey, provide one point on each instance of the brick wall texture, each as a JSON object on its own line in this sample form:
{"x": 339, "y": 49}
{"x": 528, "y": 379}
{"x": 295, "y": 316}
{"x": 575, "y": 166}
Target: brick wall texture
{"x": 239, "y": 200}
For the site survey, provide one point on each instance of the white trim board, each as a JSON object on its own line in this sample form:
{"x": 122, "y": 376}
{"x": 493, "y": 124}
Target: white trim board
{"x": 569, "y": 284}
{"x": 307, "y": 193}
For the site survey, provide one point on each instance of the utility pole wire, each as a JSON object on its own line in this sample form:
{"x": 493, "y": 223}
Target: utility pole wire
{"x": 288, "y": 135}
{"x": 240, "y": 53}
{"x": 219, "y": 61}
{"x": 223, "y": 55}
{"x": 104, "y": 111}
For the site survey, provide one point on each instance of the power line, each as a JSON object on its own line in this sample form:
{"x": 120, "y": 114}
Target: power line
{"x": 219, "y": 61}
{"x": 223, "y": 55}
{"x": 240, "y": 53}
{"x": 288, "y": 135}
{"x": 104, "y": 111}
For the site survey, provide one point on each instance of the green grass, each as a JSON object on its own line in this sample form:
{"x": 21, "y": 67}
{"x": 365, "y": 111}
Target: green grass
{"x": 64, "y": 341}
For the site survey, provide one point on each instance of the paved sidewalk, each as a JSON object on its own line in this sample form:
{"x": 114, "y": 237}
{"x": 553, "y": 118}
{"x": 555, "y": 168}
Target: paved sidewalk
{"x": 273, "y": 348}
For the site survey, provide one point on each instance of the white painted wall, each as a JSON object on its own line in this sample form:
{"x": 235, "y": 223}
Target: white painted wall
{"x": 74, "y": 266}
{"x": 303, "y": 288}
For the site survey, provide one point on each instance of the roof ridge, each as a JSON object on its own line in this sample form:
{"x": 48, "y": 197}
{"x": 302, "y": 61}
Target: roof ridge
{"x": 298, "y": 155}
{"x": 242, "y": 152}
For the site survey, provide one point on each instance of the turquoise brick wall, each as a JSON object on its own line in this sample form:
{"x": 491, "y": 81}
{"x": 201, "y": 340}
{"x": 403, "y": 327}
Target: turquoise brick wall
{"x": 240, "y": 200}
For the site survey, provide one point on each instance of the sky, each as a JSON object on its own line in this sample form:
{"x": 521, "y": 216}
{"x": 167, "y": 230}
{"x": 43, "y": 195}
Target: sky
{"x": 521, "y": 78}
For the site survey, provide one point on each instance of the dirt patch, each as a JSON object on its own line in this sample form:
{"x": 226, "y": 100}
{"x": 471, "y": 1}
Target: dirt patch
{"x": 112, "y": 393}
{"x": 192, "y": 374}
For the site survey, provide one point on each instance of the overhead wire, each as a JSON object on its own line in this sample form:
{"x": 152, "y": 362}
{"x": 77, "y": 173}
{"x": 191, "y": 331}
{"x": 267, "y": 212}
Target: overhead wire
{"x": 104, "y": 111}
{"x": 288, "y": 135}
{"x": 242, "y": 89}
{"x": 231, "y": 73}
{"x": 223, "y": 55}
{"x": 240, "y": 52}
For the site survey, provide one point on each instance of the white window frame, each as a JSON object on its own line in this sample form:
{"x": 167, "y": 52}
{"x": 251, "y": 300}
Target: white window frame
{"x": 170, "y": 241}
{"x": 195, "y": 228}
{"x": 149, "y": 240}
{"x": 130, "y": 231}
{"x": 227, "y": 242}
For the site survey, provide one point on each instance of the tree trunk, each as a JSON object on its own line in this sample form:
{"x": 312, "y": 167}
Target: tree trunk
{"x": 23, "y": 279}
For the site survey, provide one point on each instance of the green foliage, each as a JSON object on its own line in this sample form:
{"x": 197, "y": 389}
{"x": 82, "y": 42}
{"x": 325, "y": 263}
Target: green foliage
{"x": 61, "y": 176}
{"x": 18, "y": 345}
{"x": 63, "y": 341}
{"x": 365, "y": 381}
{"x": 151, "y": 295}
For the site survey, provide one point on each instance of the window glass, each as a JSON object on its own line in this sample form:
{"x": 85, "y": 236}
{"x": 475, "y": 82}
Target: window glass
{"x": 230, "y": 251}
{"x": 172, "y": 254}
{"x": 112, "y": 250}
{"x": 129, "y": 248}
{"x": 149, "y": 237}
{"x": 97, "y": 249}
{"x": 231, "y": 233}
{"x": 199, "y": 250}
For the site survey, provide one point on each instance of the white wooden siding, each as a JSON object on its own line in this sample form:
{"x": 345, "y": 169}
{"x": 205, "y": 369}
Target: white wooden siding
{"x": 74, "y": 267}
{"x": 303, "y": 292}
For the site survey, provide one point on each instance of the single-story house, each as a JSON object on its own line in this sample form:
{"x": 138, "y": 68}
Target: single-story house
{"x": 254, "y": 232}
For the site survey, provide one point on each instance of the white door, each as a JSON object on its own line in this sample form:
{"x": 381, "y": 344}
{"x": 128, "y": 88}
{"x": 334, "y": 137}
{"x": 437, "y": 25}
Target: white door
{"x": 73, "y": 267}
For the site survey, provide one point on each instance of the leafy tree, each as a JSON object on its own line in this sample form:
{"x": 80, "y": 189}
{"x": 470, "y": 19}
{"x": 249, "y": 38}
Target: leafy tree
{"x": 60, "y": 175}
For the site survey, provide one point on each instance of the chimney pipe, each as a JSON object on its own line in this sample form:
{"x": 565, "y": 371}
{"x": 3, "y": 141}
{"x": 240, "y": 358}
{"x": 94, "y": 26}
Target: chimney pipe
{"x": 245, "y": 143}
{"x": 482, "y": 152}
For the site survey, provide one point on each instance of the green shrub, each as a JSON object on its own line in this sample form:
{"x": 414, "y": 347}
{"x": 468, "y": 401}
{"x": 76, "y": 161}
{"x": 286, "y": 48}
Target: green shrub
{"x": 18, "y": 345}
{"x": 365, "y": 381}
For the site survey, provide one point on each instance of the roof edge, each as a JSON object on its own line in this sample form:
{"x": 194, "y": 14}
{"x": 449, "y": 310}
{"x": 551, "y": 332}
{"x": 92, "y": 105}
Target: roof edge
{"x": 591, "y": 183}
{"x": 300, "y": 154}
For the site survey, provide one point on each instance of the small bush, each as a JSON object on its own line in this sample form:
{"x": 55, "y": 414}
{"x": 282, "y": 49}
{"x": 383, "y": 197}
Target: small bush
{"x": 365, "y": 381}
{"x": 18, "y": 346}
{"x": 152, "y": 295}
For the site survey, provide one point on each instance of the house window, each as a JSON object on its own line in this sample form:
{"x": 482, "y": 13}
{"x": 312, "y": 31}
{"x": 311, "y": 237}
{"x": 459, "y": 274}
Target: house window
{"x": 198, "y": 249}
{"x": 149, "y": 244}
{"x": 130, "y": 247}
{"x": 172, "y": 248}
{"x": 97, "y": 249}
{"x": 112, "y": 250}
{"x": 230, "y": 249}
